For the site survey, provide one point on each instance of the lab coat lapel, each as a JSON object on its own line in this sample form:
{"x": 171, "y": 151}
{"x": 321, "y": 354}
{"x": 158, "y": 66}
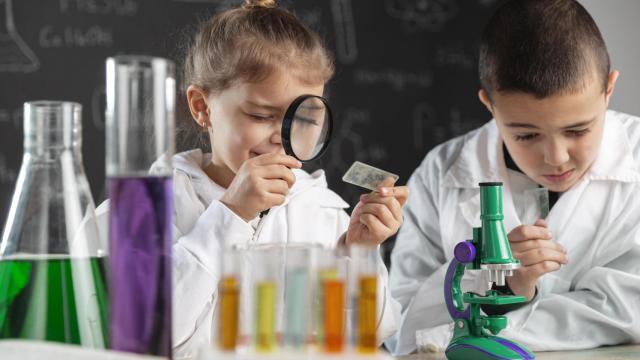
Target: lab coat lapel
{"x": 482, "y": 160}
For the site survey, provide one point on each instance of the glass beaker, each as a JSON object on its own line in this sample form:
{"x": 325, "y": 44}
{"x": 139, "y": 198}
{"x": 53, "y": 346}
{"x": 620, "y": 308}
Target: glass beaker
{"x": 140, "y": 121}
{"x": 52, "y": 261}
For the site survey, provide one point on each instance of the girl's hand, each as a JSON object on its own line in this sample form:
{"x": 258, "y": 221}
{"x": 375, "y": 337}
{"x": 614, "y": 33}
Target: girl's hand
{"x": 538, "y": 255}
{"x": 261, "y": 183}
{"x": 378, "y": 215}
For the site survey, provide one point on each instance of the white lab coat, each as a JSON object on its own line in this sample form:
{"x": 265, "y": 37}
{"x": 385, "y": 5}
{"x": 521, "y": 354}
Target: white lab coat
{"x": 203, "y": 225}
{"x": 594, "y": 300}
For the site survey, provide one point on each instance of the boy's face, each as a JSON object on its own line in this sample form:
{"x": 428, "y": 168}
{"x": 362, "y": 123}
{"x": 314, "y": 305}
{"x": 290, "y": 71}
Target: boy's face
{"x": 554, "y": 140}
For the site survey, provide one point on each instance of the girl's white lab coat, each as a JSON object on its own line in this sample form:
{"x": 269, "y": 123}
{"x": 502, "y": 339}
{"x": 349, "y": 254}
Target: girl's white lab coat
{"x": 594, "y": 300}
{"x": 203, "y": 225}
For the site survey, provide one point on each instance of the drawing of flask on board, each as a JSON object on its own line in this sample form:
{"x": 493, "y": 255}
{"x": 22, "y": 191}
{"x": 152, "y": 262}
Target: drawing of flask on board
{"x": 52, "y": 261}
{"x": 15, "y": 54}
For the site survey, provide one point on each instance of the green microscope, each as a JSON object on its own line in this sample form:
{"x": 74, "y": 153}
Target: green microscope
{"x": 474, "y": 334}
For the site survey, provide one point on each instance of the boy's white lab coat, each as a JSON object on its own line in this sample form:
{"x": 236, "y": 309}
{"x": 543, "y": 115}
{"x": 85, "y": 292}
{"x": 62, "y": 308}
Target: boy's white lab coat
{"x": 594, "y": 300}
{"x": 203, "y": 225}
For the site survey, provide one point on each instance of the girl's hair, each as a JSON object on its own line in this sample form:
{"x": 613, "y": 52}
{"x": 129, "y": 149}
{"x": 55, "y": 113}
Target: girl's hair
{"x": 248, "y": 43}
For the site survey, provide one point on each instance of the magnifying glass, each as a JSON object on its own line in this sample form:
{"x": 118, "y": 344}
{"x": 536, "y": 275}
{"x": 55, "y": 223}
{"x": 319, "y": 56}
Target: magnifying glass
{"x": 306, "y": 128}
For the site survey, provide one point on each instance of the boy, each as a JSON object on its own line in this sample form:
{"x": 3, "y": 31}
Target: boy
{"x": 546, "y": 79}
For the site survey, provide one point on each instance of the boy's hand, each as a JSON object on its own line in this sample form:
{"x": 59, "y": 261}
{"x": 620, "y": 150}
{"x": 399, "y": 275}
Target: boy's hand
{"x": 538, "y": 255}
{"x": 378, "y": 215}
{"x": 261, "y": 183}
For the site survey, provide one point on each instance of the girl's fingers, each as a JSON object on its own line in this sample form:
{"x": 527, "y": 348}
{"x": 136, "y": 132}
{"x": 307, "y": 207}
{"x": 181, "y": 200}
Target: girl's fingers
{"x": 381, "y": 212}
{"x": 277, "y": 186}
{"x": 275, "y": 171}
{"x": 401, "y": 193}
{"x": 376, "y": 228}
{"x": 277, "y": 159}
{"x": 390, "y": 202}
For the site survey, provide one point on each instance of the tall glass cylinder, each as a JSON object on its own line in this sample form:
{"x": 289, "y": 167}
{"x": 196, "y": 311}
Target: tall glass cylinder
{"x": 52, "y": 260}
{"x": 140, "y": 124}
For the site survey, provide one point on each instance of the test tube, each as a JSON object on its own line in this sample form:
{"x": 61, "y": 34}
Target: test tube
{"x": 332, "y": 279}
{"x": 296, "y": 298}
{"x": 365, "y": 260}
{"x": 536, "y": 205}
{"x": 267, "y": 265}
{"x": 229, "y": 292}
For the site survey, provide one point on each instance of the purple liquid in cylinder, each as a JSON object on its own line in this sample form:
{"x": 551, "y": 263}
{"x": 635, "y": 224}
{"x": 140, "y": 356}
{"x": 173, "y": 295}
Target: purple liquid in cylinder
{"x": 140, "y": 261}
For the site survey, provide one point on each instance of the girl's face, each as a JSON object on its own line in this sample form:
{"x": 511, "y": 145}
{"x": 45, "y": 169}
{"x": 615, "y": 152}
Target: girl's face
{"x": 553, "y": 140}
{"x": 246, "y": 119}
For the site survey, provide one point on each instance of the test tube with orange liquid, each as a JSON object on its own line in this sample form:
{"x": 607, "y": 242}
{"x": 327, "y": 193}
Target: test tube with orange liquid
{"x": 332, "y": 273}
{"x": 229, "y": 301}
{"x": 365, "y": 263}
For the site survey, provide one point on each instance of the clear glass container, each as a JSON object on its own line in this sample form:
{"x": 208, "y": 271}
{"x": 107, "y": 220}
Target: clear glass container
{"x": 52, "y": 261}
{"x": 140, "y": 124}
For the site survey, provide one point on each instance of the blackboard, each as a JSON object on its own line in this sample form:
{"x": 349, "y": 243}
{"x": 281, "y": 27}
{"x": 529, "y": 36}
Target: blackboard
{"x": 406, "y": 75}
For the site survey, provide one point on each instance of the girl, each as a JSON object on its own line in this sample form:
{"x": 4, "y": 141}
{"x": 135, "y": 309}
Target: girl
{"x": 243, "y": 69}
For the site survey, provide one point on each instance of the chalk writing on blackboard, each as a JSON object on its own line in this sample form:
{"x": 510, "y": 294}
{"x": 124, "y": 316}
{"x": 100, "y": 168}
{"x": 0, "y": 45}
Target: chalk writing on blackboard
{"x": 98, "y": 104}
{"x": 69, "y": 36}
{"x": 15, "y": 54}
{"x": 431, "y": 129}
{"x": 345, "y": 30}
{"x": 425, "y": 124}
{"x": 399, "y": 80}
{"x": 101, "y": 7}
{"x": 13, "y": 117}
{"x": 8, "y": 175}
{"x": 430, "y": 15}
{"x": 456, "y": 55}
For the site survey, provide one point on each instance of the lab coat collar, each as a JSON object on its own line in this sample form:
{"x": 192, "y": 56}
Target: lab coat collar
{"x": 481, "y": 158}
{"x": 615, "y": 159}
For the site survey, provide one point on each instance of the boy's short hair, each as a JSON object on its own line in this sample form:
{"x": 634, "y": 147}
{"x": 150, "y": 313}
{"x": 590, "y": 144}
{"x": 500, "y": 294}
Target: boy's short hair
{"x": 543, "y": 48}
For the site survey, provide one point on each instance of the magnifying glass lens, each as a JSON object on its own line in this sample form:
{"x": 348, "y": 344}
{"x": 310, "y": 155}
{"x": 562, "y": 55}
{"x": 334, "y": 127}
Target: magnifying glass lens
{"x": 310, "y": 128}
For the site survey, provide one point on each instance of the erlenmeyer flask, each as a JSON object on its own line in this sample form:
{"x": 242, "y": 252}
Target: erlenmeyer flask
{"x": 52, "y": 262}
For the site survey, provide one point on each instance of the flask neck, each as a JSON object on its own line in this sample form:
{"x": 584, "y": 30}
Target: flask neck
{"x": 52, "y": 127}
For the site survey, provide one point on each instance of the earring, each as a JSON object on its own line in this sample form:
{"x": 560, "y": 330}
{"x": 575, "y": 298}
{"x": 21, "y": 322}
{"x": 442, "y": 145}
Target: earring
{"x": 204, "y": 121}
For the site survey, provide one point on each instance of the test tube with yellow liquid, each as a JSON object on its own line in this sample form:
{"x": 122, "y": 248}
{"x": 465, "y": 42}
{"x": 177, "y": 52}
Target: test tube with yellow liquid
{"x": 267, "y": 265}
{"x": 229, "y": 292}
{"x": 365, "y": 260}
